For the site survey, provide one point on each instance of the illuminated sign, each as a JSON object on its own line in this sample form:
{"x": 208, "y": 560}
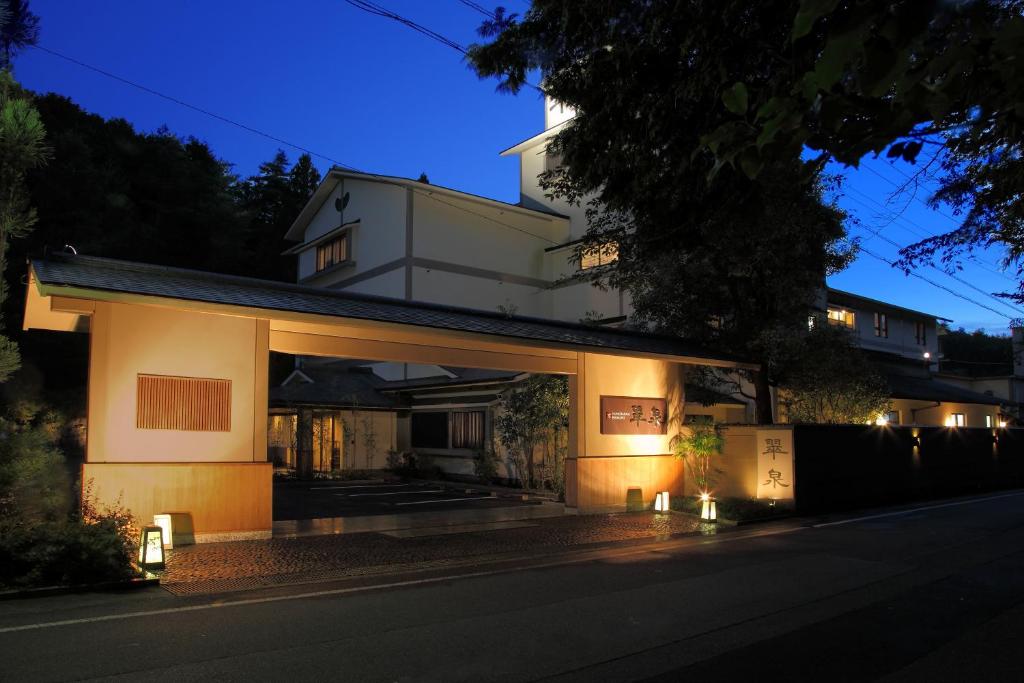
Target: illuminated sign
{"x": 633, "y": 415}
{"x": 775, "y": 464}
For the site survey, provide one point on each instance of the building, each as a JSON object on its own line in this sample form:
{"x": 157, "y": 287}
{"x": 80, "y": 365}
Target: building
{"x": 904, "y": 346}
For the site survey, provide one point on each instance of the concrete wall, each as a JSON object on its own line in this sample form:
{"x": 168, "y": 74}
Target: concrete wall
{"x": 601, "y": 468}
{"x": 128, "y": 340}
{"x": 225, "y": 501}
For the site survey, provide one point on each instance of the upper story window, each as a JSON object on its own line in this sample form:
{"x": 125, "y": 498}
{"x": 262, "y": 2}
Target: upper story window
{"x": 921, "y": 333}
{"x": 332, "y": 253}
{"x": 841, "y": 316}
{"x": 599, "y": 256}
{"x": 881, "y": 325}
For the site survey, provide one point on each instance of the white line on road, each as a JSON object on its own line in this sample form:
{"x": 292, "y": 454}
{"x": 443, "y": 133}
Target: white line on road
{"x": 390, "y": 493}
{"x": 896, "y": 513}
{"x": 582, "y": 558}
{"x": 444, "y": 500}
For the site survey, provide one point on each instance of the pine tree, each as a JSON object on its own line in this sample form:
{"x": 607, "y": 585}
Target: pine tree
{"x": 21, "y": 149}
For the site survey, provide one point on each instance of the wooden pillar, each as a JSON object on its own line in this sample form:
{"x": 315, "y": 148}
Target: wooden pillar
{"x": 304, "y": 444}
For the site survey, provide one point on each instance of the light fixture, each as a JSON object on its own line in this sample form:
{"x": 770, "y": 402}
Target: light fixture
{"x": 1002, "y": 423}
{"x": 881, "y": 420}
{"x": 164, "y": 522}
{"x": 927, "y": 355}
{"x": 151, "y": 548}
{"x": 708, "y": 508}
{"x": 661, "y": 502}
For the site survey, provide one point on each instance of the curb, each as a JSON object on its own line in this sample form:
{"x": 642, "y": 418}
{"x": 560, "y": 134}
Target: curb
{"x": 104, "y": 586}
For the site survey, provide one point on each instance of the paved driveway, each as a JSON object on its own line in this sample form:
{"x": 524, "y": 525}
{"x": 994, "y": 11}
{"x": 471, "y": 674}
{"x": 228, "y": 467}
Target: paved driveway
{"x": 295, "y": 500}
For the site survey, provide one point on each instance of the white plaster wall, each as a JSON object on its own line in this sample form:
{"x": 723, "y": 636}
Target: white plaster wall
{"x": 390, "y": 284}
{"x": 531, "y": 165}
{"x": 572, "y": 302}
{"x": 455, "y": 289}
{"x": 901, "y": 339}
{"x": 463, "y": 236}
{"x": 379, "y": 237}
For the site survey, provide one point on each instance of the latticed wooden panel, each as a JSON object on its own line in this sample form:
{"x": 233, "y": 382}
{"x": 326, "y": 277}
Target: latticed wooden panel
{"x": 193, "y": 404}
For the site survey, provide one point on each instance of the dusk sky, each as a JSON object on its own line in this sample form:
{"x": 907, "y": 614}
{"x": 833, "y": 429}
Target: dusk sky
{"x": 376, "y": 95}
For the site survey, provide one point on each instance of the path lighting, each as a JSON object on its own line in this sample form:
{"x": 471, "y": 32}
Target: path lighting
{"x": 1002, "y": 423}
{"x": 661, "y": 502}
{"x": 164, "y": 522}
{"x": 708, "y": 508}
{"x": 881, "y": 420}
{"x": 151, "y": 548}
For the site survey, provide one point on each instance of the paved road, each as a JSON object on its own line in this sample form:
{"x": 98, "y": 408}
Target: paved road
{"x": 934, "y": 593}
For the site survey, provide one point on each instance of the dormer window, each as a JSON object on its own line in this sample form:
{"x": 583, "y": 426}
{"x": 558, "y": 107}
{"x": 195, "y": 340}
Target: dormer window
{"x": 602, "y": 255}
{"x": 332, "y": 253}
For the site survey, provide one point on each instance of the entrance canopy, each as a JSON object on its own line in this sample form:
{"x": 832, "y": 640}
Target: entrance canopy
{"x": 178, "y": 381}
{"x": 63, "y": 284}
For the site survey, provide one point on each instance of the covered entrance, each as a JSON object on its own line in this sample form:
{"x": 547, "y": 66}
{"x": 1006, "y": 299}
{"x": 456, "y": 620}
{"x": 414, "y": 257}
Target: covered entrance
{"x": 178, "y": 383}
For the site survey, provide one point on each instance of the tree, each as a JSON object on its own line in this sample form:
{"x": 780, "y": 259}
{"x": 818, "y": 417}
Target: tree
{"x": 975, "y": 354}
{"x": 735, "y": 263}
{"x": 834, "y": 382}
{"x": 528, "y": 413}
{"x": 940, "y": 84}
{"x": 19, "y": 28}
{"x": 22, "y": 148}
{"x": 697, "y": 448}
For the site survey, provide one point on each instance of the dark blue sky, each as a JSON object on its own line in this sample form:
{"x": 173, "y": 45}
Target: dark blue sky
{"x": 380, "y": 97}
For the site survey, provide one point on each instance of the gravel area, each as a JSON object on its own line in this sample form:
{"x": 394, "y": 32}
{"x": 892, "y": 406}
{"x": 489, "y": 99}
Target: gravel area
{"x": 222, "y": 567}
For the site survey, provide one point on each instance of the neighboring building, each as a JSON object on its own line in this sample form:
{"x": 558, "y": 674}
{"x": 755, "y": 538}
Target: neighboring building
{"x": 904, "y": 345}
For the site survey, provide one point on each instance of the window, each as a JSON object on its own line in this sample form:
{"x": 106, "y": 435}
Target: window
{"x": 881, "y": 325}
{"x": 468, "y": 429}
{"x": 892, "y": 417}
{"x": 921, "y": 333}
{"x": 599, "y": 256}
{"x": 552, "y": 161}
{"x": 430, "y": 430}
{"x": 956, "y": 420}
{"x": 332, "y": 253}
{"x": 840, "y": 316}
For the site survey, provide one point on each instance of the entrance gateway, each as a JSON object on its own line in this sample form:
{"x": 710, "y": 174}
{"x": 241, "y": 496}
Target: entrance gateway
{"x": 178, "y": 381}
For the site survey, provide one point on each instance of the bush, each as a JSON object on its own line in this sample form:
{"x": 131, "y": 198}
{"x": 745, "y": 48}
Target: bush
{"x": 45, "y": 539}
{"x": 735, "y": 509}
{"x": 485, "y": 465}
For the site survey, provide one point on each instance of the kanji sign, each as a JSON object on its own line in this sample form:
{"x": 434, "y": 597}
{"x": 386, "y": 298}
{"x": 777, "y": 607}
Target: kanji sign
{"x": 633, "y": 415}
{"x": 775, "y": 464}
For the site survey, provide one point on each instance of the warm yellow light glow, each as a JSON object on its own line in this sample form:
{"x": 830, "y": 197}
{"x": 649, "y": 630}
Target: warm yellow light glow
{"x": 151, "y": 548}
{"x": 1002, "y": 423}
{"x": 881, "y": 420}
{"x": 659, "y": 503}
{"x": 708, "y": 509}
{"x": 164, "y": 522}
{"x": 705, "y": 497}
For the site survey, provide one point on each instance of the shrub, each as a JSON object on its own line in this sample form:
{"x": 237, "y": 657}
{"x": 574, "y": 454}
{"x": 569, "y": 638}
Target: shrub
{"x": 697, "y": 448}
{"x": 485, "y": 465}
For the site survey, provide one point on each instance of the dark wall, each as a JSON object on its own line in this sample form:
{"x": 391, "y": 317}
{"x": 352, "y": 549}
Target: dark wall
{"x": 841, "y": 467}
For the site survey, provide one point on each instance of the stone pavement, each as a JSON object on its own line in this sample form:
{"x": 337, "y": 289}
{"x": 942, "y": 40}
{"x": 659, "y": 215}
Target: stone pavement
{"x": 247, "y": 565}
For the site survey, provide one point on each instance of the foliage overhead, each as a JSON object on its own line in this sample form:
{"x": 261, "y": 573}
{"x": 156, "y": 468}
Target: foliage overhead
{"x": 834, "y": 382}
{"x": 19, "y": 28}
{"x": 735, "y": 263}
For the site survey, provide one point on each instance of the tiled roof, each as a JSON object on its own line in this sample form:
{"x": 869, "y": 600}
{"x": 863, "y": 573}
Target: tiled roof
{"x": 924, "y": 389}
{"x": 332, "y": 387}
{"x": 92, "y": 273}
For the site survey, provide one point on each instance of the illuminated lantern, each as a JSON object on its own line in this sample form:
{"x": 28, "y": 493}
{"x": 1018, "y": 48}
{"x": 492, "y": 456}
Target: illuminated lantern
{"x": 151, "y": 548}
{"x": 661, "y": 502}
{"x": 708, "y": 508}
{"x": 164, "y": 522}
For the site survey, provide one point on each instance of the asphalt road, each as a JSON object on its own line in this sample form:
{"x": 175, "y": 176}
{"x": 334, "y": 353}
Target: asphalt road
{"x": 314, "y": 500}
{"x": 933, "y": 593}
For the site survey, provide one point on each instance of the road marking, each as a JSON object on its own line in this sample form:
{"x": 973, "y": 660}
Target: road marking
{"x": 920, "y": 509}
{"x": 444, "y": 500}
{"x": 359, "y": 486}
{"x": 390, "y": 493}
{"x": 580, "y": 558}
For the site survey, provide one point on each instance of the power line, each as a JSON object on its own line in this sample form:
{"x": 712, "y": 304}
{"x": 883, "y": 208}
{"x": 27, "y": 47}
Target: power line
{"x": 482, "y": 10}
{"x": 268, "y": 136}
{"x": 182, "y": 103}
{"x": 912, "y": 273}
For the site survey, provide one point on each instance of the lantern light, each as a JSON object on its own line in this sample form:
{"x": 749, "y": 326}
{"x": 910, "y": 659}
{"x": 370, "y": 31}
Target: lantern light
{"x": 1002, "y": 423}
{"x": 708, "y": 508}
{"x": 661, "y": 502}
{"x": 151, "y": 548}
{"x": 164, "y": 522}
